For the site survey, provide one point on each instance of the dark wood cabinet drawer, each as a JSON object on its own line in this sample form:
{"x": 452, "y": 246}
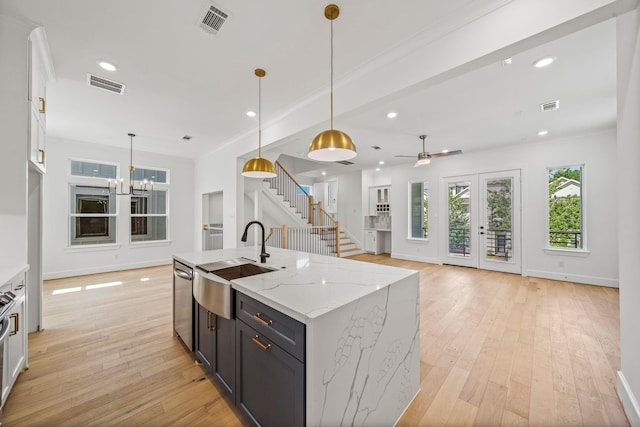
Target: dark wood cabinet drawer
{"x": 277, "y": 327}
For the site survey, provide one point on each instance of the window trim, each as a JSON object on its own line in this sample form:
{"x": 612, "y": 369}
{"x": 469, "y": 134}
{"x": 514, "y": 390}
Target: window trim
{"x": 71, "y": 215}
{"x": 167, "y": 171}
{"x": 163, "y": 187}
{"x": 78, "y": 178}
{"x": 583, "y": 250}
{"x": 425, "y": 185}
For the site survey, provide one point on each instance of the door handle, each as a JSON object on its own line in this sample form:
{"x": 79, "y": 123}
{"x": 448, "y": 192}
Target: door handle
{"x": 16, "y": 323}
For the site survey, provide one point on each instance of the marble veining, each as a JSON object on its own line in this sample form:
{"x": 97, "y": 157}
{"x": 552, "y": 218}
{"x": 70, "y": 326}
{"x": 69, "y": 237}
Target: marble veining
{"x": 374, "y": 370}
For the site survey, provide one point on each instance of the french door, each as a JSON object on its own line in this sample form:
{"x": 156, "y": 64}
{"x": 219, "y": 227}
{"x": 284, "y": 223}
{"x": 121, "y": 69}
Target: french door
{"x": 482, "y": 221}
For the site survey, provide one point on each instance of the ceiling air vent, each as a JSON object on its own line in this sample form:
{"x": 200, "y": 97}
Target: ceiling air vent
{"x": 212, "y": 18}
{"x": 550, "y": 106}
{"x": 345, "y": 162}
{"x": 106, "y": 84}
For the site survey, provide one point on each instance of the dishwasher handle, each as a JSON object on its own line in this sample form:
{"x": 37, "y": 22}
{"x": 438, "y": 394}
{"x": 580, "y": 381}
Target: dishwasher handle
{"x": 182, "y": 274}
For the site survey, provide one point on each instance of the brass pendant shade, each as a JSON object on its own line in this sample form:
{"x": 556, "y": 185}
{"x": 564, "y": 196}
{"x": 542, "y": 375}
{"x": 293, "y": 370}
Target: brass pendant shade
{"x": 259, "y": 167}
{"x": 332, "y": 145}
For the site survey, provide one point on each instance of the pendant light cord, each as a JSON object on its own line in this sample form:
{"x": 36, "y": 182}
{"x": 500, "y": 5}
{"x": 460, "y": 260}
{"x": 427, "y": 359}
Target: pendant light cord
{"x": 331, "y": 74}
{"x": 259, "y": 116}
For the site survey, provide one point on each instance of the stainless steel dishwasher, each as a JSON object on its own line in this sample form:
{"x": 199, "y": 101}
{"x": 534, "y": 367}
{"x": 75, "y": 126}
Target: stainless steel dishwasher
{"x": 183, "y": 303}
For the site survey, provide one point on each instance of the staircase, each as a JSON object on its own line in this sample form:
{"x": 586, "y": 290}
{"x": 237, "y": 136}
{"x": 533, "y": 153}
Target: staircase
{"x": 313, "y": 229}
{"x": 347, "y": 246}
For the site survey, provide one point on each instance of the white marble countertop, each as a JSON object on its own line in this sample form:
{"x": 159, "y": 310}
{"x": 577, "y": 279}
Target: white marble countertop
{"x": 8, "y": 273}
{"x": 306, "y": 286}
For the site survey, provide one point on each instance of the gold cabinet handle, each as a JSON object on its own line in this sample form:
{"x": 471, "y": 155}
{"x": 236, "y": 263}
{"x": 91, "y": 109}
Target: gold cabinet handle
{"x": 41, "y": 151}
{"x": 256, "y": 340}
{"x": 205, "y": 226}
{"x": 258, "y": 317}
{"x": 42, "y": 105}
{"x": 16, "y": 323}
{"x": 210, "y": 321}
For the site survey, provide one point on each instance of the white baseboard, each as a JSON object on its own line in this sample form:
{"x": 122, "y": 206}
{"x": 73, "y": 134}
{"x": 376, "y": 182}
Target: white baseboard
{"x": 629, "y": 402}
{"x": 587, "y": 280}
{"x": 411, "y": 257}
{"x": 102, "y": 269}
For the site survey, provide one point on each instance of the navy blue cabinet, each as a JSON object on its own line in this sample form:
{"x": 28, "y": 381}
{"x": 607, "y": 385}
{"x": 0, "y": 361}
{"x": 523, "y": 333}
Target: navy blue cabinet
{"x": 270, "y": 365}
{"x": 215, "y": 346}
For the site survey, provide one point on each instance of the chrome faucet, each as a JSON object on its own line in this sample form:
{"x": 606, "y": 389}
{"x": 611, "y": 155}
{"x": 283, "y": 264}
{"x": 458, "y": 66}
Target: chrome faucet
{"x": 263, "y": 254}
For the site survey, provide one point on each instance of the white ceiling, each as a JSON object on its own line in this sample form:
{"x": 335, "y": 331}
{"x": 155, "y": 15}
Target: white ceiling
{"x": 183, "y": 81}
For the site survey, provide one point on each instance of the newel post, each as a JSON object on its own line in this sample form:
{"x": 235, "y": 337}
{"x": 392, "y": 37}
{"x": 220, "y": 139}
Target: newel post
{"x": 338, "y": 239}
{"x": 284, "y": 236}
{"x": 311, "y": 210}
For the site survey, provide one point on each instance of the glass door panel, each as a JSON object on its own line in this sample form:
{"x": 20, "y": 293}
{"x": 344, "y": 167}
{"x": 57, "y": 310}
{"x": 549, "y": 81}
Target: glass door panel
{"x": 500, "y": 221}
{"x": 461, "y": 245}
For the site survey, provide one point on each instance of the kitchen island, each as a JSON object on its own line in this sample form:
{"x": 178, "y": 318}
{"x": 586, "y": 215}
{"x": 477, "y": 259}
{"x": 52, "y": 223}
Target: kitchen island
{"x": 361, "y": 330}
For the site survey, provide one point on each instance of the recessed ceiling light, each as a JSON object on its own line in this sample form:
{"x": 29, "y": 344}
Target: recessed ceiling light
{"x": 107, "y": 66}
{"x": 543, "y": 62}
{"x": 381, "y": 162}
{"x": 377, "y": 169}
{"x": 324, "y": 173}
{"x": 392, "y": 115}
{"x": 251, "y": 113}
{"x": 507, "y": 61}
{"x": 542, "y": 132}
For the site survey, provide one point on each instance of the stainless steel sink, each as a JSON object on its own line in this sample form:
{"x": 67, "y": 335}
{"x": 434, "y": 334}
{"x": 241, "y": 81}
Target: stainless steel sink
{"x": 211, "y": 286}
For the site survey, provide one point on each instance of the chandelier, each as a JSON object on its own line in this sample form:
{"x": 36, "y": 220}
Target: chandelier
{"x": 145, "y": 186}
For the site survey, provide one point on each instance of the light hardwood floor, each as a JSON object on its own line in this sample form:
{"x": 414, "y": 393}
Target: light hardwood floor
{"x": 496, "y": 349}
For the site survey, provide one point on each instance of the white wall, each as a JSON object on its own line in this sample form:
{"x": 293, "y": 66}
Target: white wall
{"x": 628, "y": 208}
{"x": 61, "y": 261}
{"x": 597, "y": 152}
{"x": 350, "y": 213}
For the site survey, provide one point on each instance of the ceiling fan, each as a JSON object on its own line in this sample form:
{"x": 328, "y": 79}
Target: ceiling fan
{"x": 424, "y": 158}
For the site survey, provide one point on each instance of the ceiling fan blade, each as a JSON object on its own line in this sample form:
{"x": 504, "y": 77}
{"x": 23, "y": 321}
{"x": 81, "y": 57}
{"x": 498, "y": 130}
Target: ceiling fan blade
{"x": 450, "y": 153}
{"x": 398, "y": 155}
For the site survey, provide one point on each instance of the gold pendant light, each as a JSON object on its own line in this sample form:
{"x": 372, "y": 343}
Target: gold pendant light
{"x": 332, "y": 145}
{"x": 259, "y": 167}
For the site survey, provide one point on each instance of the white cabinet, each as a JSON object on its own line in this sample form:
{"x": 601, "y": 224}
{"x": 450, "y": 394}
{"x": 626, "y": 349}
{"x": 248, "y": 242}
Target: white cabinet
{"x": 379, "y": 200}
{"x": 40, "y": 71}
{"x": 15, "y": 345}
{"x": 37, "y": 140}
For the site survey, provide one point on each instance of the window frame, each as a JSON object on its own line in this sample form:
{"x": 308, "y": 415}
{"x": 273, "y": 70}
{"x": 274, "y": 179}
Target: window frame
{"x": 582, "y": 250}
{"x": 157, "y": 187}
{"x": 72, "y": 215}
{"x": 153, "y": 168}
{"x": 424, "y": 188}
{"x": 77, "y": 178}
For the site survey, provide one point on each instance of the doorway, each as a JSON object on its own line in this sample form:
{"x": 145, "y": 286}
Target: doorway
{"x": 212, "y": 232}
{"x": 482, "y": 221}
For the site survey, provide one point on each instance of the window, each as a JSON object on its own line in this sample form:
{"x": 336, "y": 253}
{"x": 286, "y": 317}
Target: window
{"x": 93, "y": 169}
{"x": 565, "y": 208}
{"x": 92, "y": 216}
{"x": 418, "y": 210}
{"x": 149, "y": 216}
{"x": 158, "y": 176}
